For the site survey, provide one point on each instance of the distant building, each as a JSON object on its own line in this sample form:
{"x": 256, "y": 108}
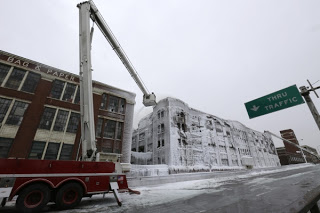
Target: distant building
{"x": 287, "y": 158}
{"x": 290, "y": 136}
{"x": 291, "y": 154}
{"x": 39, "y": 112}
{"x": 311, "y": 158}
{"x": 187, "y": 139}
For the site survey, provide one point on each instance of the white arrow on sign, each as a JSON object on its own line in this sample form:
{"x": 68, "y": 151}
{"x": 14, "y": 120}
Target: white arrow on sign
{"x": 255, "y": 108}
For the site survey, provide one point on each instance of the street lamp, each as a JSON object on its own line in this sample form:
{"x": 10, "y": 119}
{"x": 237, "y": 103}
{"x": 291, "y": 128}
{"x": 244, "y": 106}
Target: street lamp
{"x": 304, "y": 157}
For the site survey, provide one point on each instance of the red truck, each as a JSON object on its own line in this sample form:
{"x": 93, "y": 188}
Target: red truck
{"x": 37, "y": 182}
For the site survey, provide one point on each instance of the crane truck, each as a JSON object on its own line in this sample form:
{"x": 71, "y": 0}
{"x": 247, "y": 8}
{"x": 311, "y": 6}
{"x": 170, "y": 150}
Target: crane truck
{"x": 37, "y": 182}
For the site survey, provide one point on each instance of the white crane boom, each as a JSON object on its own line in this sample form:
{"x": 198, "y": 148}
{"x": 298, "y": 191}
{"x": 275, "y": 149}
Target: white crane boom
{"x": 88, "y": 10}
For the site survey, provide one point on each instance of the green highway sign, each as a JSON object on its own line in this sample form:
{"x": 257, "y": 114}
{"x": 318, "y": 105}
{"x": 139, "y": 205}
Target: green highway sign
{"x": 285, "y": 98}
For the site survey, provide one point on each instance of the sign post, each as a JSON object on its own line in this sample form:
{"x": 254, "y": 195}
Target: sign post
{"x": 282, "y": 99}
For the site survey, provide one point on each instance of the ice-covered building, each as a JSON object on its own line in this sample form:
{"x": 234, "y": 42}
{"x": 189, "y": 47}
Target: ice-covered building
{"x": 187, "y": 139}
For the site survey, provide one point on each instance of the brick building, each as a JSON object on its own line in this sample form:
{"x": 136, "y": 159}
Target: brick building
{"x": 39, "y": 112}
{"x": 290, "y": 154}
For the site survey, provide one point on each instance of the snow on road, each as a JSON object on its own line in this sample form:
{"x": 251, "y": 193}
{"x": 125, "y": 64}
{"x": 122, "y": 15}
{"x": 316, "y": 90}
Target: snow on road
{"x": 165, "y": 193}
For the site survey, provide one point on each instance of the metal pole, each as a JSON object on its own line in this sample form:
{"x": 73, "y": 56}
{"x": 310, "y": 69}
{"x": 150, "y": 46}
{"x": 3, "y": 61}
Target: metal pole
{"x": 305, "y": 93}
{"x": 304, "y": 157}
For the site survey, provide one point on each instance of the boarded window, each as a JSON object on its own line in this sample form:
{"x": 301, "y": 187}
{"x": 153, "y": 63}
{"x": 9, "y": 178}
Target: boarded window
{"x": 37, "y": 149}
{"x": 52, "y": 151}
{"x": 4, "y": 69}
{"x": 69, "y": 92}
{"x": 17, "y": 112}
{"x": 57, "y": 89}
{"x": 5, "y": 145}
{"x": 109, "y": 130}
{"x": 73, "y": 122}
{"x": 66, "y": 152}
{"x": 31, "y": 82}
{"x": 61, "y": 120}
{"x": 4, "y": 106}
{"x": 47, "y": 118}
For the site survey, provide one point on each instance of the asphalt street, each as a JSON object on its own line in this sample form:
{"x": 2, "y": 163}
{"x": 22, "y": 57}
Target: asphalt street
{"x": 287, "y": 191}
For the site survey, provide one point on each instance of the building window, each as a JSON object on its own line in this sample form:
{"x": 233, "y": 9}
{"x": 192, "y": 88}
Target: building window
{"x": 117, "y": 147}
{"x": 66, "y": 152}
{"x": 52, "y": 151}
{"x": 47, "y": 118}
{"x": 69, "y": 92}
{"x": 31, "y": 82}
{"x": 4, "y": 69}
{"x": 119, "y": 130}
{"x": 110, "y": 128}
{"x": 142, "y": 136}
{"x": 160, "y": 114}
{"x": 73, "y": 122}
{"x": 37, "y": 149}
{"x": 5, "y": 145}
{"x": 57, "y": 89}
{"x": 113, "y": 104}
{"x": 106, "y": 146}
{"x": 77, "y": 99}
{"x": 162, "y": 142}
{"x": 103, "y": 104}
{"x": 99, "y": 127}
{"x": 4, "y": 106}
{"x": 15, "y": 78}
{"x": 122, "y": 106}
{"x": 141, "y": 148}
{"x": 17, "y": 112}
{"x": 61, "y": 120}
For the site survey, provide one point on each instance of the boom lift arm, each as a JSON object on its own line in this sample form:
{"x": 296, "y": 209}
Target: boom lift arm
{"x": 88, "y": 10}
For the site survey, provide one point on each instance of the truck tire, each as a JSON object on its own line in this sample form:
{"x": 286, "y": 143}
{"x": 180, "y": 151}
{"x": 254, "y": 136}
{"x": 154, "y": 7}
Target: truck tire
{"x": 33, "y": 198}
{"x": 69, "y": 195}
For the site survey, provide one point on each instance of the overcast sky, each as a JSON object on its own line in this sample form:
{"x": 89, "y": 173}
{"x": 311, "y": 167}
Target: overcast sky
{"x": 213, "y": 55}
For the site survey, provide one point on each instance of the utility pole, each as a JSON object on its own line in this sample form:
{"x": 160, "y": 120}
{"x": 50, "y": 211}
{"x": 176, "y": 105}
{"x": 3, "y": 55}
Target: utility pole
{"x": 306, "y": 94}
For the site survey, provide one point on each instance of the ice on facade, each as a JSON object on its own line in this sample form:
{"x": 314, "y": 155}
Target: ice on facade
{"x": 186, "y": 139}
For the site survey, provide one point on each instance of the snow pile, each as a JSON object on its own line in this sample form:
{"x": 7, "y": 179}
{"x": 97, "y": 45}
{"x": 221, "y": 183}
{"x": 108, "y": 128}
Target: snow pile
{"x": 148, "y": 170}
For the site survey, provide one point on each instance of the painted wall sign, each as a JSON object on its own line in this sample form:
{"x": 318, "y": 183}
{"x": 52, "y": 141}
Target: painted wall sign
{"x": 38, "y": 67}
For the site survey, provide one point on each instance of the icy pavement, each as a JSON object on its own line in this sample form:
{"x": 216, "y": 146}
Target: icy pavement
{"x": 165, "y": 193}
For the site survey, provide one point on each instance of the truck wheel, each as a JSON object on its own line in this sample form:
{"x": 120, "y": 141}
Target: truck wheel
{"x": 69, "y": 196}
{"x": 33, "y": 198}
